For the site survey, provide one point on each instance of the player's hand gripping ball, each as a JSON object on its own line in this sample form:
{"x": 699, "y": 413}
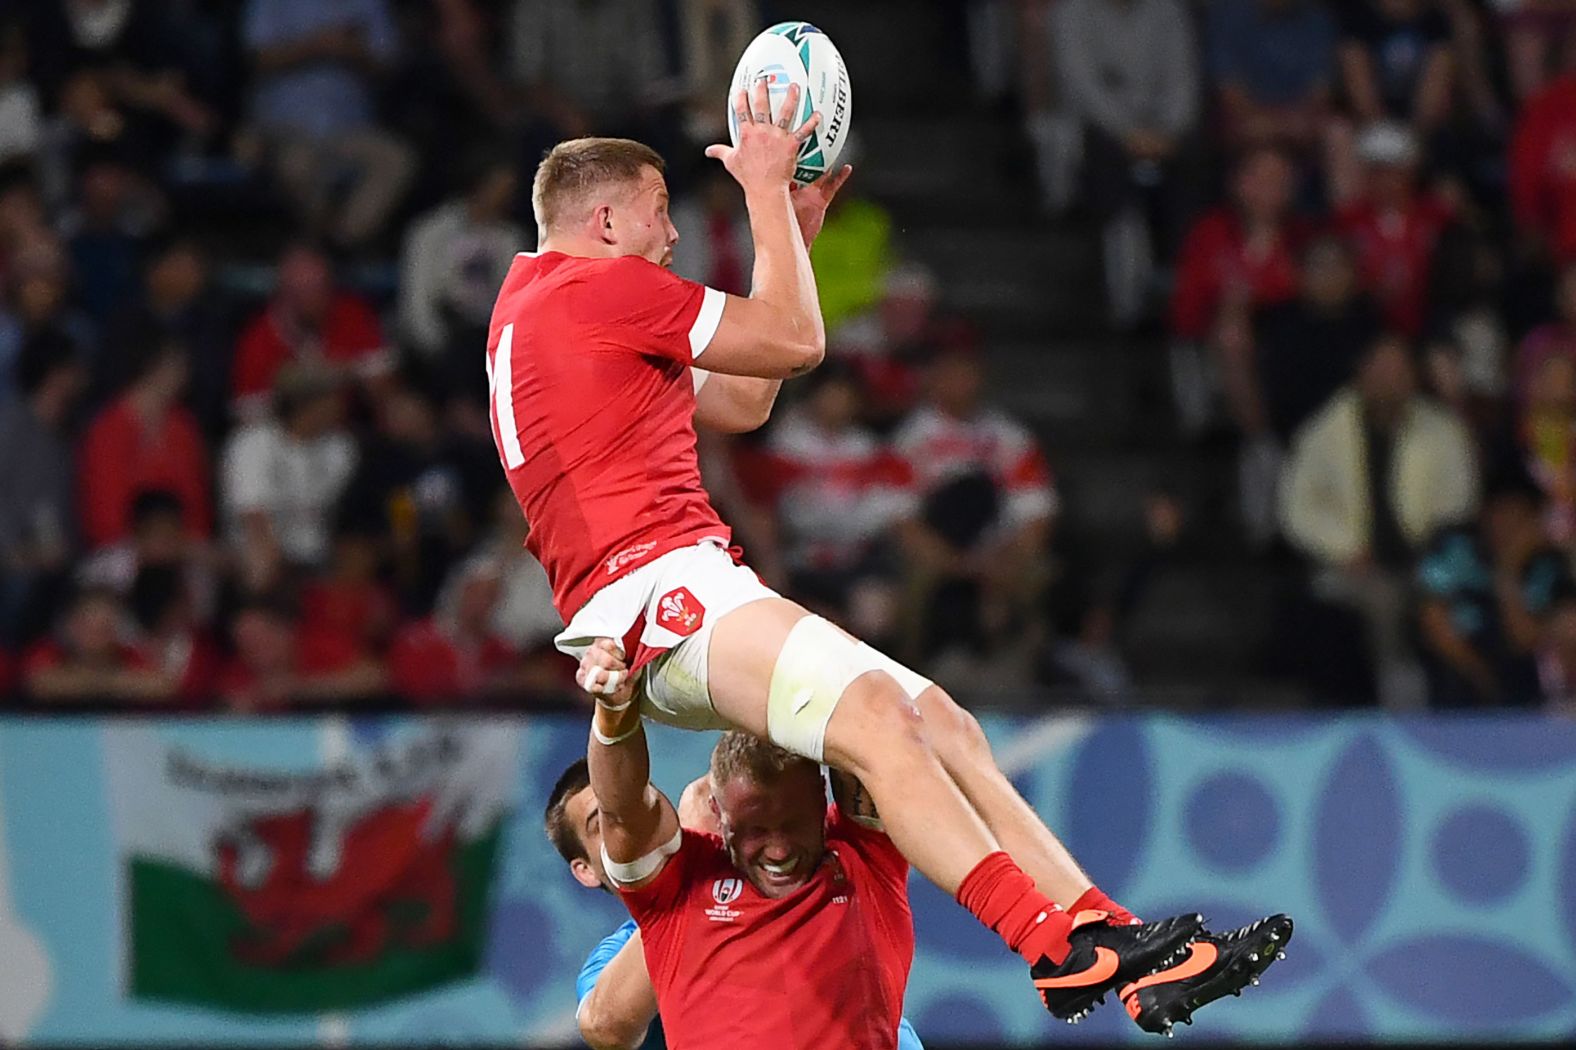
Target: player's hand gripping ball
{"x": 798, "y": 53}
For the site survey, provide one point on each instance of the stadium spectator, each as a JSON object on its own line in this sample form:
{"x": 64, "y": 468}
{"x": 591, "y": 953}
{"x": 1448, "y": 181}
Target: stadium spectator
{"x": 591, "y": 67}
{"x": 1394, "y": 227}
{"x": 524, "y": 615}
{"x": 158, "y": 541}
{"x": 1554, "y": 338}
{"x": 453, "y": 261}
{"x": 91, "y": 658}
{"x": 714, "y": 34}
{"x": 107, "y": 231}
{"x": 977, "y": 543}
{"x": 839, "y": 493}
{"x": 283, "y": 476}
{"x": 82, "y": 119}
{"x": 177, "y": 305}
{"x": 349, "y": 598}
{"x": 413, "y": 490}
{"x": 454, "y": 654}
{"x": 37, "y": 522}
{"x": 1130, "y": 75}
{"x": 1273, "y": 65}
{"x": 714, "y": 245}
{"x": 1540, "y": 43}
{"x": 1396, "y": 63}
{"x": 145, "y": 439}
{"x": 1370, "y": 478}
{"x": 38, "y": 304}
{"x": 307, "y": 321}
{"x": 1307, "y": 348}
{"x": 316, "y": 68}
{"x": 275, "y": 663}
{"x": 1487, "y": 589}
{"x": 1543, "y": 171}
{"x": 21, "y": 110}
{"x": 1237, "y": 257}
{"x": 852, "y": 257}
{"x": 172, "y": 634}
{"x": 1541, "y": 440}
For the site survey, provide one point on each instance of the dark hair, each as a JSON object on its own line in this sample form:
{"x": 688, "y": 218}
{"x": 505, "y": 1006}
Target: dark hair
{"x": 574, "y": 168}
{"x": 564, "y": 837}
{"x": 152, "y": 503}
{"x": 44, "y": 355}
{"x": 155, "y": 590}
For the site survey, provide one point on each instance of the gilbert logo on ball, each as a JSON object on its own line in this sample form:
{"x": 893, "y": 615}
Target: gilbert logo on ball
{"x": 799, "y": 53}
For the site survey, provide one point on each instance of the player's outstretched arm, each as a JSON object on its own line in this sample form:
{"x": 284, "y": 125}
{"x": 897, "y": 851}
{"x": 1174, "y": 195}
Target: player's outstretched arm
{"x": 639, "y": 825}
{"x": 619, "y": 1009}
{"x": 777, "y": 332}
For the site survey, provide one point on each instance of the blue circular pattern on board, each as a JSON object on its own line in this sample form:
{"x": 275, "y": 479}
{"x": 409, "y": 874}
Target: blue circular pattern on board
{"x": 1232, "y": 822}
{"x": 1481, "y": 854}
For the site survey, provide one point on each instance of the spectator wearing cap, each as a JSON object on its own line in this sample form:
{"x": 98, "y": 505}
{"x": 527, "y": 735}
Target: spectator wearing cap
{"x": 1487, "y": 590}
{"x": 37, "y": 522}
{"x": 1370, "y": 478}
{"x": 454, "y": 654}
{"x": 454, "y": 260}
{"x": 1273, "y": 64}
{"x": 282, "y": 477}
{"x": 986, "y": 509}
{"x": 145, "y": 439}
{"x": 1393, "y": 226}
{"x": 276, "y": 664}
{"x": 1238, "y": 257}
{"x": 1129, "y": 71}
{"x": 93, "y": 658}
{"x": 1543, "y": 171}
{"x": 308, "y": 321}
{"x": 316, "y": 67}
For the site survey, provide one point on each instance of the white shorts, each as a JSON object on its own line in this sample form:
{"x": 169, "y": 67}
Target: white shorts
{"x": 663, "y": 614}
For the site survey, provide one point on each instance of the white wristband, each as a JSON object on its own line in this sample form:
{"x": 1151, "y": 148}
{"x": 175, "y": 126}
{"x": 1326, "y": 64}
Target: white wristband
{"x": 609, "y": 741}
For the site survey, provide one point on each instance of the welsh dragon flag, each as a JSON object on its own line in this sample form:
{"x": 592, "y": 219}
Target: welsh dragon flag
{"x": 301, "y": 868}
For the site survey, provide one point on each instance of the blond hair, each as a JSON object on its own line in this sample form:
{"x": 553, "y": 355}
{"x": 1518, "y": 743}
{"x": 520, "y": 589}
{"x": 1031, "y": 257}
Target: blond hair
{"x": 740, "y": 753}
{"x": 573, "y": 169}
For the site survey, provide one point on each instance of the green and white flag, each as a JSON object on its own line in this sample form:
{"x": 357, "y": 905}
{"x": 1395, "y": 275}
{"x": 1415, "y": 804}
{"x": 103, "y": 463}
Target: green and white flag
{"x": 307, "y": 871}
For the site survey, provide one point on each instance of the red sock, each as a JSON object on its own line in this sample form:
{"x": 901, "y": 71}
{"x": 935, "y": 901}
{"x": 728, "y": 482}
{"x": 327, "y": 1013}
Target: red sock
{"x": 1094, "y": 899}
{"x": 1001, "y": 896}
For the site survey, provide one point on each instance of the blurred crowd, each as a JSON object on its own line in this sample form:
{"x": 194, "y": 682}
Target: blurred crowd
{"x": 248, "y": 250}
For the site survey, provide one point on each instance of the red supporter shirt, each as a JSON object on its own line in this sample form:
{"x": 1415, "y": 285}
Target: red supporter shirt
{"x": 426, "y": 664}
{"x": 593, "y": 411}
{"x": 1395, "y": 255}
{"x": 350, "y": 336}
{"x": 1543, "y": 167}
{"x": 824, "y": 967}
{"x": 939, "y": 447}
{"x": 1217, "y": 265}
{"x": 120, "y": 458}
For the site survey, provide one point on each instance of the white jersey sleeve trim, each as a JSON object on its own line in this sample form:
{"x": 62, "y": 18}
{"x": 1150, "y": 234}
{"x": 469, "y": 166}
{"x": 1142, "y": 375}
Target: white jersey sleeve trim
{"x": 706, "y": 321}
{"x": 503, "y": 398}
{"x": 698, "y": 376}
{"x": 626, "y": 873}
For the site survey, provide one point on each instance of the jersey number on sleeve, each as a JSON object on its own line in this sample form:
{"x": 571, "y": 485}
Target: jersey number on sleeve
{"x": 500, "y": 384}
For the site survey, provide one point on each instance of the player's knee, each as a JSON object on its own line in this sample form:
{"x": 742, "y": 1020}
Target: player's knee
{"x": 881, "y": 727}
{"x": 950, "y": 726}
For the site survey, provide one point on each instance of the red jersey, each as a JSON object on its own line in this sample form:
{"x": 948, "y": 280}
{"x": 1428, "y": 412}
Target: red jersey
{"x": 822, "y": 967}
{"x": 593, "y": 406}
{"x": 1395, "y": 254}
{"x": 1543, "y": 166}
{"x": 350, "y": 335}
{"x": 1217, "y": 265}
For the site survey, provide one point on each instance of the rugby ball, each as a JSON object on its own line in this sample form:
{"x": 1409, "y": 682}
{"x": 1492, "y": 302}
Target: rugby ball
{"x": 798, "y": 53}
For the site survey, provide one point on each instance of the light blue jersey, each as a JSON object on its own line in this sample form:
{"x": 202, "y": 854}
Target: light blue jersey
{"x": 603, "y": 954}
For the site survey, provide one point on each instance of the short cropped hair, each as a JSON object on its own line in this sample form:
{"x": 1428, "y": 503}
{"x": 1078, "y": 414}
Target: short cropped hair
{"x": 572, "y": 169}
{"x": 564, "y": 837}
{"x": 740, "y": 753}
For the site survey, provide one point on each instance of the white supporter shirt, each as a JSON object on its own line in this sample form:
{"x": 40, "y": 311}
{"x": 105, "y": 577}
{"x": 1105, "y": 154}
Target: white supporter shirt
{"x": 295, "y": 483}
{"x": 842, "y": 491}
{"x": 940, "y": 447}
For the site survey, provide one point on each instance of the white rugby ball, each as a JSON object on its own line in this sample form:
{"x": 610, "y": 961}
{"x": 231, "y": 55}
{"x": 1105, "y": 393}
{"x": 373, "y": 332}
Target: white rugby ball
{"x": 798, "y": 53}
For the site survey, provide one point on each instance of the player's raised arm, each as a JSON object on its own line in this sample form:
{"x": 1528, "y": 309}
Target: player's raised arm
{"x": 640, "y": 828}
{"x": 777, "y": 332}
